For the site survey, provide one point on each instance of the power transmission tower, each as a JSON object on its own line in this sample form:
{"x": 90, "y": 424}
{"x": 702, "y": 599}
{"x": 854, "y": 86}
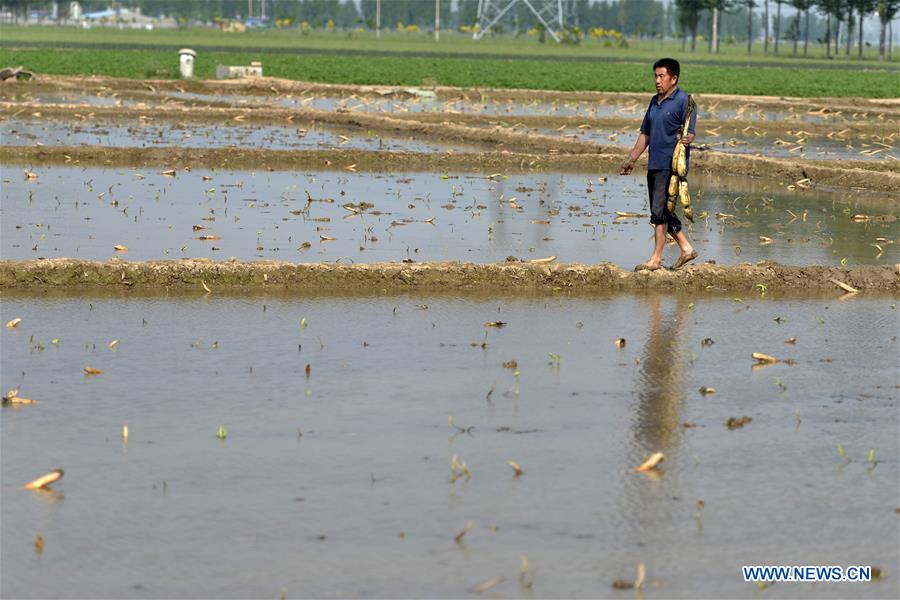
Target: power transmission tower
{"x": 551, "y": 14}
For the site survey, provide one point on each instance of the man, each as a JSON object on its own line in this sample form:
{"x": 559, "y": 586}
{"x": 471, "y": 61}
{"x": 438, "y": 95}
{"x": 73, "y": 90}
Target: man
{"x": 661, "y": 130}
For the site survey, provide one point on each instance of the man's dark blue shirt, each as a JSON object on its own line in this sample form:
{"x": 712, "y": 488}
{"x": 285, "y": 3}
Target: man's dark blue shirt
{"x": 662, "y": 123}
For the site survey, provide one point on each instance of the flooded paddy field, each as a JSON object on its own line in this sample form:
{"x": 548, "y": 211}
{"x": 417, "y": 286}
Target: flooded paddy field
{"x": 333, "y": 475}
{"x": 272, "y": 126}
{"x": 282, "y": 443}
{"x": 804, "y": 146}
{"x": 143, "y": 134}
{"x": 328, "y": 216}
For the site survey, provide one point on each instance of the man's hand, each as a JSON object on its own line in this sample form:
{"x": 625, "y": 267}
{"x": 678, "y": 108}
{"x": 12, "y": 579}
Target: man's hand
{"x": 686, "y": 140}
{"x": 626, "y": 167}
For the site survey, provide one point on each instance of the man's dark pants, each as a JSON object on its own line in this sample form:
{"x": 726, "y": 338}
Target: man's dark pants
{"x": 657, "y": 185}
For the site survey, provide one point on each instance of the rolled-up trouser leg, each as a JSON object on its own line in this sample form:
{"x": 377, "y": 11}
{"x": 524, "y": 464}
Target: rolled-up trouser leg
{"x": 657, "y": 185}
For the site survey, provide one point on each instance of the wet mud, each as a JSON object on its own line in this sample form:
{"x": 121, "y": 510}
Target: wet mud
{"x": 207, "y": 275}
{"x": 275, "y": 86}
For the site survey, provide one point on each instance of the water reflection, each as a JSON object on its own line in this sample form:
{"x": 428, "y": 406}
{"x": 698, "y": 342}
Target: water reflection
{"x": 660, "y": 377}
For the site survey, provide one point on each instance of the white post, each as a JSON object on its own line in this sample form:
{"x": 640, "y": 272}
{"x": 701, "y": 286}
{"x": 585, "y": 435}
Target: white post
{"x": 715, "y": 29}
{"x": 437, "y": 20}
{"x": 377, "y": 19}
{"x": 249, "y": 8}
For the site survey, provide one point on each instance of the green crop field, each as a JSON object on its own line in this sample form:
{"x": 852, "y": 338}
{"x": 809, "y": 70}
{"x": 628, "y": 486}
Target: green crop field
{"x": 415, "y": 59}
{"x": 423, "y": 43}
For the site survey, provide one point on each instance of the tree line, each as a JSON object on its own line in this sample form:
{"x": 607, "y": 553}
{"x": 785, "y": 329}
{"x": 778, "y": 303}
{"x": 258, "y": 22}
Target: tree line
{"x": 843, "y": 20}
{"x": 833, "y": 23}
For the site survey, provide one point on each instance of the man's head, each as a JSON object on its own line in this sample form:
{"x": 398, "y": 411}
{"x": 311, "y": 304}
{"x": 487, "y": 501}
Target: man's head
{"x": 666, "y": 72}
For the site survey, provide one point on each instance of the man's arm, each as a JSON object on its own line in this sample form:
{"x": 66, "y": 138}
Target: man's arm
{"x": 639, "y": 146}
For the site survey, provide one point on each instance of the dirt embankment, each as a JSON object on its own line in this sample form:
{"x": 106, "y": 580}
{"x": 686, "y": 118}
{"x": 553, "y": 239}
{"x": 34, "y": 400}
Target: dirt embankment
{"x": 156, "y": 106}
{"x": 275, "y": 86}
{"x": 203, "y": 275}
{"x": 710, "y": 129}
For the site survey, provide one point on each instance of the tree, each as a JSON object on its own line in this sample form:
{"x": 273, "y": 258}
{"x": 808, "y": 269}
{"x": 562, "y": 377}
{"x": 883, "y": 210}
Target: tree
{"x": 778, "y": 4}
{"x": 793, "y": 32}
{"x": 717, "y": 7}
{"x": 804, "y": 6}
{"x": 863, "y": 7}
{"x": 887, "y": 10}
{"x": 848, "y": 41}
{"x": 836, "y": 9}
{"x": 750, "y": 5}
{"x": 766, "y": 28}
{"x": 689, "y": 17}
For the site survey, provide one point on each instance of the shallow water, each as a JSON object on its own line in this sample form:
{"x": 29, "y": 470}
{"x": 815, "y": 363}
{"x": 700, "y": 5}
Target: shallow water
{"x": 481, "y": 104}
{"x": 142, "y": 135}
{"x": 403, "y": 103}
{"x": 818, "y": 148}
{"x": 83, "y": 213}
{"x": 74, "y": 97}
{"x": 361, "y": 504}
{"x": 315, "y": 136}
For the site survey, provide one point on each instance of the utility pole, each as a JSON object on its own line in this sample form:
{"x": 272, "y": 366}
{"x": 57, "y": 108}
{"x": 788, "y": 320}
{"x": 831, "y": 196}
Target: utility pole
{"x": 377, "y": 19}
{"x": 249, "y": 8}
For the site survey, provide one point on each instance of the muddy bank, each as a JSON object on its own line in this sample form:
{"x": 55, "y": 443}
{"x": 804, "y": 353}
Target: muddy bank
{"x": 709, "y": 130}
{"x": 275, "y": 86}
{"x": 395, "y": 277}
{"x": 541, "y": 153}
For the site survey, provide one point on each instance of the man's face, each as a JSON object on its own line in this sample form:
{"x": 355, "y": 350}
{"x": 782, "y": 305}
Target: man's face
{"x": 664, "y": 82}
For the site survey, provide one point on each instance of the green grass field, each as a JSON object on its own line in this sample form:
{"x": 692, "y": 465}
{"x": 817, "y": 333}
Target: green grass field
{"x": 415, "y": 59}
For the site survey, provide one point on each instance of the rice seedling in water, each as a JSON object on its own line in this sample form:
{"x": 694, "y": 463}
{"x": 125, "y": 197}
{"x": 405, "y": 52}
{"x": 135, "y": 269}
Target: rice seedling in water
{"x": 526, "y": 577}
{"x": 13, "y": 397}
{"x": 651, "y": 463}
{"x": 737, "y": 422}
{"x": 486, "y": 585}
{"x": 45, "y": 480}
{"x": 622, "y": 584}
{"x": 459, "y": 469}
{"x": 458, "y": 538}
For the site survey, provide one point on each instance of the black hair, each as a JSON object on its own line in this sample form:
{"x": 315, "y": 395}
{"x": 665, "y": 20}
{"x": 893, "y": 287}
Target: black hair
{"x": 670, "y": 64}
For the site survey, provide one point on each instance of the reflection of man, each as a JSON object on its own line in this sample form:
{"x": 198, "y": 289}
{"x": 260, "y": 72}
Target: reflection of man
{"x": 661, "y": 130}
{"x": 661, "y": 381}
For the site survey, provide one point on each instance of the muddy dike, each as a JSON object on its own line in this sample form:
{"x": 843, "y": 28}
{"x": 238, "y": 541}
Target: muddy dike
{"x": 207, "y": 276}
{"x": 540, "y": 154}
{"x": 274, "y": 86}
{"x": 262, "y": 112}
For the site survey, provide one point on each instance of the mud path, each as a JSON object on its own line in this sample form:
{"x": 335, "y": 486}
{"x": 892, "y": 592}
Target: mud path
{"x": 203, "y": 275}
{"x": 708, "y": 129}
{"x": 274, "y": 87}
